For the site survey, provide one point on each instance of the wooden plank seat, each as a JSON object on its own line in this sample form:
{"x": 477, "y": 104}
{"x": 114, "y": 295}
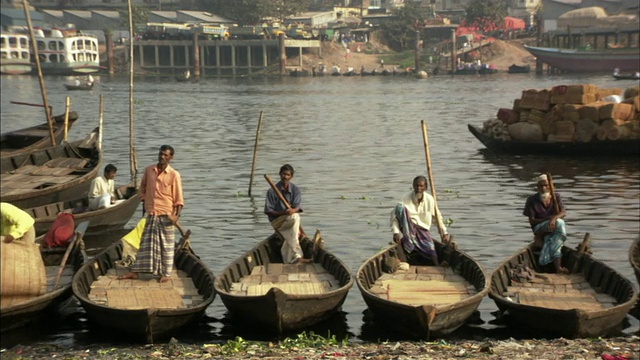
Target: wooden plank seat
{"x": 294, "y": 279}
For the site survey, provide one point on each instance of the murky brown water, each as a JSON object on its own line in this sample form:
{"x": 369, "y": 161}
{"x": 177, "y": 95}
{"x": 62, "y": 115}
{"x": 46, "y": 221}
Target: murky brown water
{"x": 356, "y": 144}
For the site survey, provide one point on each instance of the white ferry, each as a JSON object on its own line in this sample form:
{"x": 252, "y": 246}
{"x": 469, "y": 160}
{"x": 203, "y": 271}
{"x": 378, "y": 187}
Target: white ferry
{"x": 67, "y": 52}
{"x": 15, "y": 58}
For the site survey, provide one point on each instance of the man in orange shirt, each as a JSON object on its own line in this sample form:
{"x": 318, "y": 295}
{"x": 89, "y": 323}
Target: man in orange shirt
{"x": 161, "y": 192}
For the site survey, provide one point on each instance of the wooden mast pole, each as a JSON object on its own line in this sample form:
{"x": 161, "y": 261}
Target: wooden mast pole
{"x": 255, "y": 152}
{"x": 133, "y": 166}
{"x": 43, "y": 89}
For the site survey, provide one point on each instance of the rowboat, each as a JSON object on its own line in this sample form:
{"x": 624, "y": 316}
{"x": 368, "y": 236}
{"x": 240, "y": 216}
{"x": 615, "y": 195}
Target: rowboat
{"x": 85, "y": 87}
{"x": 634, "y": 259}
{"x": 423, "y": 301}
{"x": 15, "y": 312}
{"x": 36, "y": 137}
{"x": 519, "y": 69}
{"x": 100, "y": 221}
{"x": 591, "y": 301}
{"x": 576, "y": 60}
{"x": 50, "y": 175}
{"x": 617, "y": 148}
{"x": 143, "y": 308}
{"x": 260, "y": 290}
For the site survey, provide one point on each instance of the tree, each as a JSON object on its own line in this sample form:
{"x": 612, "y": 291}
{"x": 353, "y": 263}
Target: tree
{"x": 486, "y": 15}
{"x": 140, "y": 16}
{"x": 251, "y": 12}
{"x": 400, "y": 30}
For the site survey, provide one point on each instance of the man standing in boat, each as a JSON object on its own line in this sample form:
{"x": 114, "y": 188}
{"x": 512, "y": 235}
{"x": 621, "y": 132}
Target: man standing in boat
{"x": 547, "y": 223}
{"x": 161, "y": 193}
{"x": 286, "y": 221}
{"x": 16, "y": 224}
{"x": 411, "y": 220}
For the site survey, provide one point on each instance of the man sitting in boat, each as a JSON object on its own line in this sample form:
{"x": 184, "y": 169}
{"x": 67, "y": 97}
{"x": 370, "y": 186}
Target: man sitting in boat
{"x": 102, "y": 189}
{"x": 16, "y": 224}
{"x": 286, "y": 221}
{"x": 547, "y": 224}
{"x": 411, "y": 220}
{"x": 89, "y": 80}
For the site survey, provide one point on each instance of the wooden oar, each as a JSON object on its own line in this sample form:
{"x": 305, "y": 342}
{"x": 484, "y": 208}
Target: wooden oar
{"x": 185, "y": 236}
{"x": 427, "y": 153}
{"x": 282, "y": 198}
{"x": 77, "y": 237}
{"x": 552, "y": 190}
{"x": 255, "y": 152}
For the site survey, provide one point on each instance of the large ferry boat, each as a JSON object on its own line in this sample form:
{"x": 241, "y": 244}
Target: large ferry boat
{"x": 67, "y": 51}
{"x": 15, "y": 57}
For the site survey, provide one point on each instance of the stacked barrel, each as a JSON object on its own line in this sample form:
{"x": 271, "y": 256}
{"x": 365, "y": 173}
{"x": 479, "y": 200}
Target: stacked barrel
{"x": 568, "y": 113}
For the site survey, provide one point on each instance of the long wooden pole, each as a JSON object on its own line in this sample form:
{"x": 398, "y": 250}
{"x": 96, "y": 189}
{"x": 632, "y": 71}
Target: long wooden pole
{"x": 101, "y": 121}
{"x": 432, "y": 184}
{"x": 43, "y": 88}
{"x": 133, "y": 167}
{"x": 255, "y": 152}
{"x": 282, "y": 198}
{"x": 552, "y": 190}
{"x": 66, "y": 119}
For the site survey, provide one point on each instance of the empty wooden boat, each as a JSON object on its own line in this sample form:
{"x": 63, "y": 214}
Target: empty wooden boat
{"x": 591, "y": 301}
{"x": 423, "y": 301}
{"x": 100, "y": 221}
{"x": 143, "y": 308}
{"x": 16, "y": 311}
{"x": 26, "y": 140}
{"x": 52, "y": 174}
{"x": 260, "y": 290}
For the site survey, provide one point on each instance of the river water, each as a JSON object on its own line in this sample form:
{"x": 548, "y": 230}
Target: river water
{"x": 355, "y": 144}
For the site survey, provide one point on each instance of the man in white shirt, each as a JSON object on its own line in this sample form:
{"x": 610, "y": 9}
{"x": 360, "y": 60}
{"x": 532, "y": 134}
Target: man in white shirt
{"x": 102, "y": 189}
{"x": 411, "y": 220}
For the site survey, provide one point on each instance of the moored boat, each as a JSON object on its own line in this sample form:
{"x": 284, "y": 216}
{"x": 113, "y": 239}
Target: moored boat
{"x": 423, "y": 301}
{"x": 519, "y": 69}
{"x": 634, "y": 259}
{"x": 101, "y": 220}
{"x": 35, "y": 137}
{"x": 613, "y": 148}
{"x": 14, "y": 48}
{"x": 259, "y": 289}
{"x": 576, "y": 60}
{"x": 19, "y": 311}
{"x": 52, "y": 174}
{"x": 591, "y": 301}
{"x": 625, "y": 76}
{"x": 85, "y": 86}
{"x": 143, "y": 308}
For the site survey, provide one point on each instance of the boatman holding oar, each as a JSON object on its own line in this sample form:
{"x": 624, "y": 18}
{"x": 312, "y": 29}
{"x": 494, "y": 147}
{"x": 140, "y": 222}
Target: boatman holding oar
{"x": 546, "y": 212}
{"x": 411, "y": 220}
{"x": 286, "y": 220}
{"x": 161, "y": 191}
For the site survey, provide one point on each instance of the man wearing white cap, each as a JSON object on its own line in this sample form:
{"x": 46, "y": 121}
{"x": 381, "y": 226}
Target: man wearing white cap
{"x": 547, "y": 223}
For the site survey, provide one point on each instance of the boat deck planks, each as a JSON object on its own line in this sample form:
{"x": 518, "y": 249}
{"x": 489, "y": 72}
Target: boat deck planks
{"x": 294, "y": 279}
{"x": 146, "y": 292}
{"x": 561, "y": 292}
{"x": 423, "y": 285}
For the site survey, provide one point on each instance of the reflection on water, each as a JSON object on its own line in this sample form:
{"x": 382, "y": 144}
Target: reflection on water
{"x": 356, "y": 144}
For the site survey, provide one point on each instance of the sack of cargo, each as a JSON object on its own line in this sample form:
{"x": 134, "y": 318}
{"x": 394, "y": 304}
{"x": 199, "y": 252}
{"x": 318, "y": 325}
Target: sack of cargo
{"x": 524, "y": 131}
{"x": 581, "y": 89}
{"x": 631, "y": 92}
{"x": 505, "y": 114}
{"x": 617, "y": 111}
{"x": 564, "y": 128}
{"x": 591, "y": 111}
{"x": 585, "y": 130}
{"x": 604, "y": 92}
{"x": 23, "y": 272}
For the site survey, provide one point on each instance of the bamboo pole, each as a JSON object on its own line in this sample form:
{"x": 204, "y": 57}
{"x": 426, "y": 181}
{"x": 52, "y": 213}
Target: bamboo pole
{"x": 552, "y": 190}
{"x": 427, "y": 153}
{"x": 255, "y": 152}
{"x": 43, "y": 89}
{"x": 66, "y": 119}
{"x": 282, "y": 198}
{"x": 133, "y": 167}
{"x": 101, "y": 121}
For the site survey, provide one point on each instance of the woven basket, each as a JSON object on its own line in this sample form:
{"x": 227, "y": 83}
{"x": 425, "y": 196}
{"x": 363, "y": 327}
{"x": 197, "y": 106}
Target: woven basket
{"x": 23, "y": 272}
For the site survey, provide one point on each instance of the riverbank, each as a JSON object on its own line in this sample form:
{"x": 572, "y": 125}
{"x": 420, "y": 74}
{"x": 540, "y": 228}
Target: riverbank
{"x": 618, "y": 348}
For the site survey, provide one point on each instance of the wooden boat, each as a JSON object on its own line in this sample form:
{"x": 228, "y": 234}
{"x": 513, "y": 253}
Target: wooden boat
{"x": 634, "y": 258}
{"x": 36, "y": 137}
{"x": 626, "y": 76}
{"x": 259, "y": 289}
{"x": 591, "y": 301}
{"x": 15, "y": 313}
{"x": 100, "y": 221}
{"x": 50, "y": 175}
{"x": 299, "y": 73}
{"x": 626, "y": 147}
{"x": 575, "y": 60}
{"x": 423, "y": 301}
{"x": 85, "y": 86}
{"x": 185, "y": 76}
{"x": 519, "y": 69}
{"x": 143, "y": 308}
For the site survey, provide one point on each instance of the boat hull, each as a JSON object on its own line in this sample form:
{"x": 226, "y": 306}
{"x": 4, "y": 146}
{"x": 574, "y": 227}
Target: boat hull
{"x": 571, "y": 323}
{"x": 26, "y": 140}
{"x": 15, "y": 67}
{"x": 572, "y": 60}
{"x": 627, "y": 147}
{"x": 423, "y": 321}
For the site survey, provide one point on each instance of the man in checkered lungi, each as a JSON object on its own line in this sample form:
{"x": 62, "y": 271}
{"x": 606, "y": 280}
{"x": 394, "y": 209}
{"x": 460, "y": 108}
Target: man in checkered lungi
{"x": 161, "y": 192}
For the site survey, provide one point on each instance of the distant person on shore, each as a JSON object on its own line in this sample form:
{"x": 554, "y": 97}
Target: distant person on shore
{"x": 102, "y": 191}
{"x": 547, "y": 224}
{"x": 286, "y": 222}
{"x": 411, "y": 220}
{"x": 161, "y": 191}
{"x": 16, "y": 224}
